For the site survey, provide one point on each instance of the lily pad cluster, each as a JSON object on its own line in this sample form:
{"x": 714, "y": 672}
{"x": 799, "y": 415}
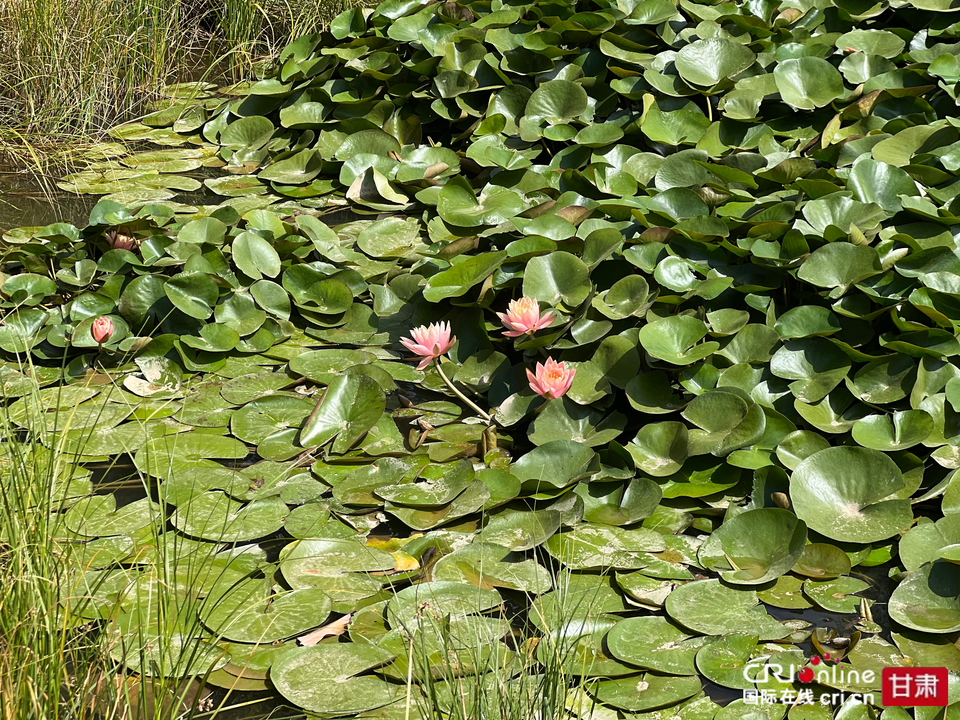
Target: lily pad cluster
{"x": 741, "y": 220}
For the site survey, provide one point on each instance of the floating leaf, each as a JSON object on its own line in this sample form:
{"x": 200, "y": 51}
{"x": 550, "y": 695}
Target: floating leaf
{"x": 708, "y": 61}
{"x": 323, "y": 678}
{"x": 928, "y": 599}
{"x": 755, "y": 547}
{"x": 250, "y": 611}
{"x": 844, "y": 493}
{"x": 714, "y": 609}
{"x": 350, "y": 406}
{"x": 808, "y": 82}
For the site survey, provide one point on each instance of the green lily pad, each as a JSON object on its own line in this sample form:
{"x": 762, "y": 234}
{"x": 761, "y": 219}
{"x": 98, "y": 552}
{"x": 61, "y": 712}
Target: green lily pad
{"x": 557, "y": 101}
{"x": 653, "y": 643}
{"x": 462, "y": 276}
{"x": 487, "y": 565}
{"x": 471, "y": 500}
{"x": 660, "y": 449}
{"x": 555, "y": 464}
{"x": 897, "y": 431}
{"x": 98, "y": 516}
{"x": 565, "y": 420}
{"x": 928, "y": 599}
{"x": 252, "y": 612}
{"x": 215, "y": 516}
{"x": 708, "y": 607}
{"x": 308, "y": 559}
{"x": 351, "y": 405}
{"x": 459, "y": 205}
{"x": 324, "y": 678}
{"x": 260, "y": 419}
{"x": 518, "y": 530}
{"x": 708, "y": 61}
{"x": 808, "y": 82}
{"x": 558, "y": 277}
{"x": 432, "y": 493}
{"x": 236, "y": 186}
{"x": 840, "y": 265}
{"x": 822, "y": 560}
{"x": 674, "y": 340}
{"x": 435, "y": 600}
{"x": 723, "y": 661}
{"x": 639, "y": 693}
{"x": 835, "y": 595}
{"x": 184, "y": 485}
{"x": 797, "y": 446}
{"x": 755, "y": 547}
{"x": 842, "y": 493}
{"x": 390, "y": 237}
{"x": 924, "y": 542}
{"x": 619, "y": 503}
{"x": 247, "y": 132}
{"x": 786, "y": 593}
{"x": 595, "y": 546}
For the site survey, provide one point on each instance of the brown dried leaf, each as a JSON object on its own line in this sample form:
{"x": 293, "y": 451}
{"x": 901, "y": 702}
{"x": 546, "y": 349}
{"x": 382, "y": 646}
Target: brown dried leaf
{"x": 337, "y": 627}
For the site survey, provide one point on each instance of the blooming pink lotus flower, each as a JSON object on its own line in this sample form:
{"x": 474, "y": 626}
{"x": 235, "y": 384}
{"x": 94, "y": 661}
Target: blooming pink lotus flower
{"x": 119, "y": 241}
{"x": 552, "y": 379}
{"x": 523, "y": 317}
{"x": 101, "y": 330}
{"x": 429, "y": 342}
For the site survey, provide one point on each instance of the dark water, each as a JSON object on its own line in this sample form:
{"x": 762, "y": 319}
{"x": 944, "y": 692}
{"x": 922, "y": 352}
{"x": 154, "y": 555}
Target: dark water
{"x": 23, "y": 203}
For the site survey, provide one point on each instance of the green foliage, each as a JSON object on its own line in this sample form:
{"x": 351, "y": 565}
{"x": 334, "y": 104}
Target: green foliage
{"x": 742, "y": 221}
{"x": 72, "y": 68}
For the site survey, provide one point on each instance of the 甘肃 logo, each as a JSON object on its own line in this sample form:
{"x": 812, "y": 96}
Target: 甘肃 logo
{"x": 914, "y": 686}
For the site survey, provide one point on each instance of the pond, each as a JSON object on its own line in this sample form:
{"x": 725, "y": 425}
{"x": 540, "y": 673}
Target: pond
{"x": 556, "y": 361}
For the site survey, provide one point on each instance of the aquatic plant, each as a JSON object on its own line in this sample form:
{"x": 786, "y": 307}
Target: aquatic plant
{"x": 739, "y": 222}
{"x": 429, "y": 342}
{"x": 523, "y": 317}
{"x": 552, "y": 379}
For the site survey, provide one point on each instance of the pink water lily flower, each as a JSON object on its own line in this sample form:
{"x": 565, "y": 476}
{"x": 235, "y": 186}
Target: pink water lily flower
{"x": 552, "y": 379}
{"x": 429, "y": 342}
{"x": 523, "y": 317}
{"x": 120, "y": 241}
{"x": 101, "y": 330}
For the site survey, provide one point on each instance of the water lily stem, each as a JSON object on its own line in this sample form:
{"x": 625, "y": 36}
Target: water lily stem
{"x": 481, "y": 413}
{"x": 542, "y": 406}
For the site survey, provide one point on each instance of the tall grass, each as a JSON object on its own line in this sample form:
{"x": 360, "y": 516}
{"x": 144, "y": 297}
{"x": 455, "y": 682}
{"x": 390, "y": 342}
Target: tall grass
{"x": 70, "y": 68}
{"x": 63, "y": 652}
{"x": 463, "y": 673}
{"x": 43, "y": 656}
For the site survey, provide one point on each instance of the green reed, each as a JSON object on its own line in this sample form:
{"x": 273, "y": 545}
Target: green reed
{"x": 76, "y": 67}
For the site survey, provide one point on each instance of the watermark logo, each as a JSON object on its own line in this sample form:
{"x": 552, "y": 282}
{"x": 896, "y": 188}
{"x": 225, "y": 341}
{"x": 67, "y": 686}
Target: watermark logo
{"x": 905, "y": 687}
{"x": 914, "y": 687}
{"x": 823, "y": 670}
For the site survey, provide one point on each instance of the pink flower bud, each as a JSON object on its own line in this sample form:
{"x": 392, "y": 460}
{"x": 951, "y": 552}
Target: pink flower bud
{"x": 101, "y": 330}
{"x": 523, "y": 317}
{"x": 119, "y": 241}
{"x": 552, "y": 379}
{"x": 429, "y": 342}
